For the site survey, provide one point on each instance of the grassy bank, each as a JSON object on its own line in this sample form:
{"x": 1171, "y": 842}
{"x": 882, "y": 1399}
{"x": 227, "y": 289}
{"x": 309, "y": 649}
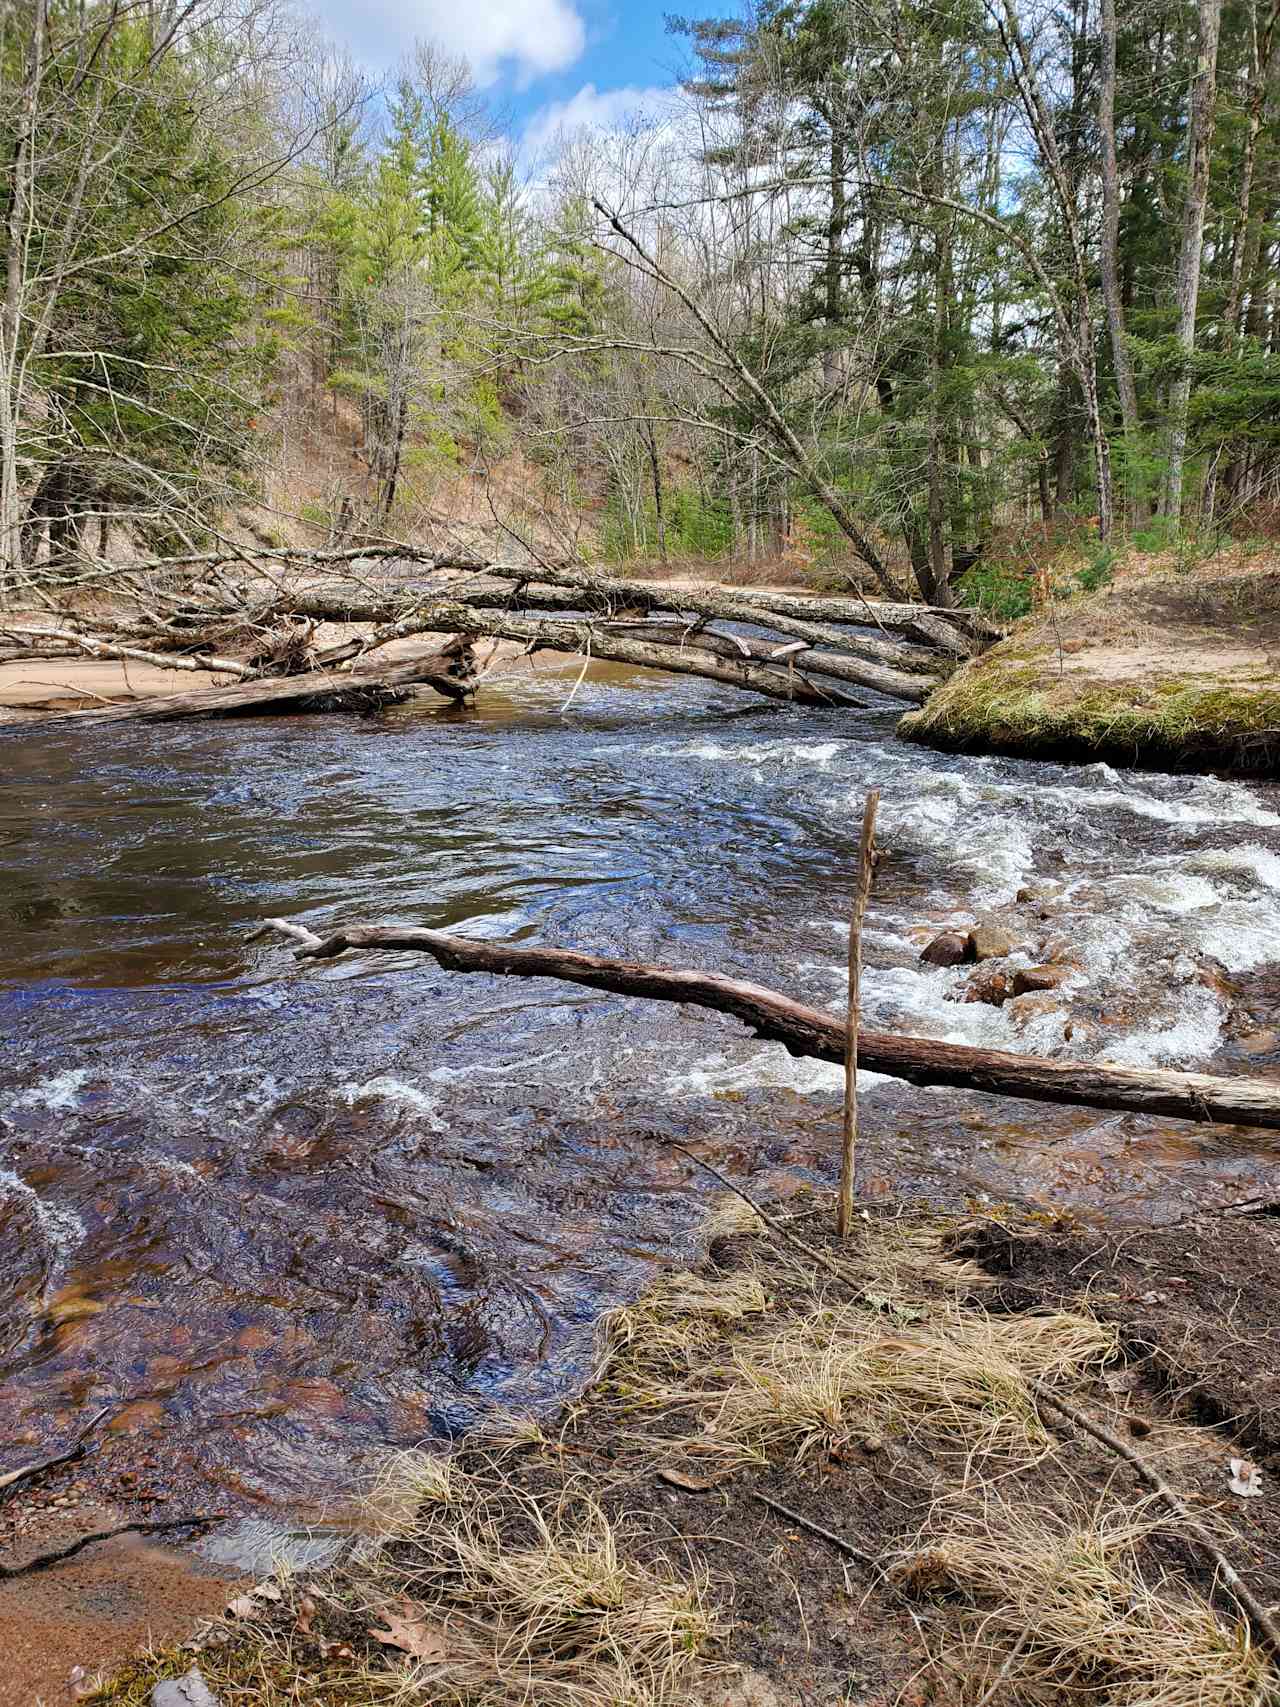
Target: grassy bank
{"x": 808, "y": 1473}
{"x": 1167, "y": 667}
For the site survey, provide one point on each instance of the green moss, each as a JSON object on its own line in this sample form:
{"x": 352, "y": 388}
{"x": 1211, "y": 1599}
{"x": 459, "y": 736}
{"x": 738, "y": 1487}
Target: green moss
{"x": 1016, "y": 699}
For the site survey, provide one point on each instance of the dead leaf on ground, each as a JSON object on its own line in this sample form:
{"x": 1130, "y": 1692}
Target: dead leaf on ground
{"x": 306, "y": 1612}
{"x": 266, "y": 1591}
{"x": 412, "y": 1631}
{"x": 245, "y": 1606}
{"x": 691, "y": 1484}
{"x": 1246, "y": 1479}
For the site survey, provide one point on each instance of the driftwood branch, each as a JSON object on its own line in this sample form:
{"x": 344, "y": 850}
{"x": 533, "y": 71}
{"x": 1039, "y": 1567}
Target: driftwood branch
{"x": 26, "y": 1472}
{"x": 806, "y": 1031}
{"x": 448, "y": 671}
{"x": 157, "y": 1526}
{"x": 1262, "y": 1618}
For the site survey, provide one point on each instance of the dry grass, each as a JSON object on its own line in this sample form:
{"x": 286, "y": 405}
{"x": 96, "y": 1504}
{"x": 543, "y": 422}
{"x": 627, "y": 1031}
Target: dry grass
{"x": 905, "y": 1357}
{"x": 1053, "y": 1611}
{"x": 535, "y": 1600}
{"x": 960, "y": 1379}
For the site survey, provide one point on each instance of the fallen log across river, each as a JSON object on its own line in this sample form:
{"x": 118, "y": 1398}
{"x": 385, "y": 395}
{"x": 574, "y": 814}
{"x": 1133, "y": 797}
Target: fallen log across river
{"x": 806, "y": 1031}
{"x": 264, "y": 631}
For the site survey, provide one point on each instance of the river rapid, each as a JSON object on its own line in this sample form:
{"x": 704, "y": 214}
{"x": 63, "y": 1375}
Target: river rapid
{"x": 282, "y": 1218}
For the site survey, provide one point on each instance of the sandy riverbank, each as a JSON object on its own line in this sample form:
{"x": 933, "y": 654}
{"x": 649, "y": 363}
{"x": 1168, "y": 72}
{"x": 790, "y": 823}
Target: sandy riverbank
{"x": 1169, "y": 669}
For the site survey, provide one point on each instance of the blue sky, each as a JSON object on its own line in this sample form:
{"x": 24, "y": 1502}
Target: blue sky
{"x": 544, "y": 62}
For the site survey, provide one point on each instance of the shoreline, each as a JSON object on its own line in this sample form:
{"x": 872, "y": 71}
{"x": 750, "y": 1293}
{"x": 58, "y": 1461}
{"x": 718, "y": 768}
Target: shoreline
{"x": 1158, "y": 671}
{"x": 782, "y": 1484}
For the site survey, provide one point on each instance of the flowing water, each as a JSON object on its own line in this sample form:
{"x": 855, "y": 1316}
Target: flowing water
{"x": 283, "y": 1217}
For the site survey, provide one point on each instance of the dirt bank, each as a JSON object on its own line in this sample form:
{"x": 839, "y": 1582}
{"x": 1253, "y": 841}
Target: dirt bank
{"x": 1175, "y": 670}
{"x": 809, "y": 1474}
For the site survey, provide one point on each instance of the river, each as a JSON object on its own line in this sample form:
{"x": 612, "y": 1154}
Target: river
{"x": 284, "y": 1217}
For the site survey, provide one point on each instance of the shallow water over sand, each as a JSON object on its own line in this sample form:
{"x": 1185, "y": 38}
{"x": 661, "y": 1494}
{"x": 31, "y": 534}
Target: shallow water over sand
{"x": 289, "y": 1217}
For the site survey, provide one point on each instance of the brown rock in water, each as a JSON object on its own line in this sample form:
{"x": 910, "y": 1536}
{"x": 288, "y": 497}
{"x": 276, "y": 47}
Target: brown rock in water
{"x": 989, "y": 985}
{"x": 1059, "y": 950}
{"x": 1028, "y": 979}
{"x": 1023, "y": 1009}
{"x": 949, "y": 949}
{"x": 992, "y": 942}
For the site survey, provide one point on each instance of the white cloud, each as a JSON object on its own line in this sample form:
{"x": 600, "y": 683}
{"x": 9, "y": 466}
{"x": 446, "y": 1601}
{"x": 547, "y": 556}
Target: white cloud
{"x": 595, "y": 109}
{"x": 526, "y": 38}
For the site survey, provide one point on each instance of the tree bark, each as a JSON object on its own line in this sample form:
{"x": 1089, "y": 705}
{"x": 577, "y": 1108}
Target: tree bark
{"x": 809, "y": 1032}
{"x": 1109, "y": 248}
{"x": 449, "y": 671}
{"x": 595, "y": 640}
{"x": 1204, "y": 85}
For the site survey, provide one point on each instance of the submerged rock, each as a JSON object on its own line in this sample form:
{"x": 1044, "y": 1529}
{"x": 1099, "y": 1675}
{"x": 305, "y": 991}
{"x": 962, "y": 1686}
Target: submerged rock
{"x": 992, "y": 942}
{"x": 1028, "y": 979}
{"x": 989, "y": 984}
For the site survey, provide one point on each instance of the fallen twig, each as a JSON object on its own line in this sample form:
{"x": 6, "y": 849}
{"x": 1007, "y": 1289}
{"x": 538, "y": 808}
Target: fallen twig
{"x": 832, "y": 1267}
{"x": 13, "y": 1478}
{"x": 1261, "y": 1617}
{"x": 42, "y": 1561}
{"x": 837, "y": 1541}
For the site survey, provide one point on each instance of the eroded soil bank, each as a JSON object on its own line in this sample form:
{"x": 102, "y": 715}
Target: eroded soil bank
{"x": 1175, "y": 670}
{"x": 813, "y": 1473}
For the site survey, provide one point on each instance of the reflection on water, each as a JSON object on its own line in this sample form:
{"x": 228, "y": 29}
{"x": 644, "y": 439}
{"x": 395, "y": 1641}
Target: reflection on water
{"x": 291, "y": 1216}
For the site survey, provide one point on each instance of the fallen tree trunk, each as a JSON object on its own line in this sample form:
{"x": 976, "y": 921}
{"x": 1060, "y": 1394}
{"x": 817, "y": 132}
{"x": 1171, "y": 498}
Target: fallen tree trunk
{"x": 94, "y": 646}
{"x": 833, "y": 664}
{"x": 788, "y": 615}
{"x": 336, "y": 604}
{"x": 807, "y": 1031}
{"x": 450, "y": 671}
{"x": 939, "y": 624}
{"x": 594, "y": 640}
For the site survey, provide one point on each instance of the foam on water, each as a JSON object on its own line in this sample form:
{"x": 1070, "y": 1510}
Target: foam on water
{"x": 767, "y": 1067}
{"x": 61, "y": 1092}
{"x": 60, "y": 1228}
{"x": 425, "y": 1104}
{"x": 1182, "y": 1041}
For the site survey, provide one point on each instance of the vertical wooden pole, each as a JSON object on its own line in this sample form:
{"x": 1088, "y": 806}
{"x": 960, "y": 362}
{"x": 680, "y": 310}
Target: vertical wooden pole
{"x": 849, "y": 1129}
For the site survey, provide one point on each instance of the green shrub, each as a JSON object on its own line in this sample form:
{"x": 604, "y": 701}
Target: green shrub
{"x": 1098, "y": 572}
{"x": 998, "y": 589}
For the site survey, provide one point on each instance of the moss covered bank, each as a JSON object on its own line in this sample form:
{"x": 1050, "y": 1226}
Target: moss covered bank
{"x": 1179, "y": 670}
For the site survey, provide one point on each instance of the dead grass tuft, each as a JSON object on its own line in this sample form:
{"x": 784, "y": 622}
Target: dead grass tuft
{"x": 833, "y": 1375}
{"x": 1051, "y": 1611}
{"x": 676, "y": 1323}
{"x": 538, "y": 1600}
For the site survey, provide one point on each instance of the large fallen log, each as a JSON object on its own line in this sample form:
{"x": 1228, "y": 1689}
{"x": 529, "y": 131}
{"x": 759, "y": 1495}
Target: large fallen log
{"x": 336, "y": 603}
{"x": 834, "y": 664}
{"x": 723, "y": 660}
{"x": 807, "y": 1031}
{"x": 925, "y": 620}
{"x": 595, "y": 640}
{"x": 449, "y": 670}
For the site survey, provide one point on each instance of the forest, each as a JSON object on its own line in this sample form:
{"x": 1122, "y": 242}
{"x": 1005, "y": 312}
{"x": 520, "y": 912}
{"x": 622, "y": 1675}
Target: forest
{"x": 881, "y": 285}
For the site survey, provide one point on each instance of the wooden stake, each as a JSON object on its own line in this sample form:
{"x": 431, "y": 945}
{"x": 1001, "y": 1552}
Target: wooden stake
{"x": 849, "y": 1129}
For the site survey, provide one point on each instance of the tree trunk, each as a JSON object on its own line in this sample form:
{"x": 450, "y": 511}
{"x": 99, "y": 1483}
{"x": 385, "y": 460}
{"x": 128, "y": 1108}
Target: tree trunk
{"x": 450, "y": 671}
{"x": 822, "y": 1036}
{"x": 1199, "y": 142}
{"x": 1126, "y": 390}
